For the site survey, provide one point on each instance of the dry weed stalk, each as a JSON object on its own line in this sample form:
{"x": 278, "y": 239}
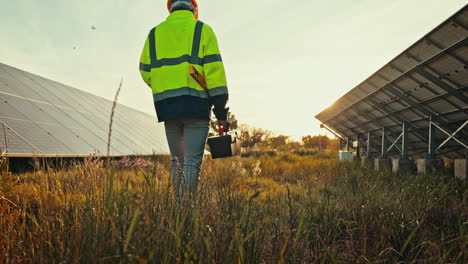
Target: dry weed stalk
{"x": 114, "y": 105}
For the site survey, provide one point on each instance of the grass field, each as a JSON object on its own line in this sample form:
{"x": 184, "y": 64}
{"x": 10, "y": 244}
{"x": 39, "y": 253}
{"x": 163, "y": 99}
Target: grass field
{"x": 278, "y": 208}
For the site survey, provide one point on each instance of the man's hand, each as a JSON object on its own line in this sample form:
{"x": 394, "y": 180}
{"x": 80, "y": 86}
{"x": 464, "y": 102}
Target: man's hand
{"x": 225, "y": 124}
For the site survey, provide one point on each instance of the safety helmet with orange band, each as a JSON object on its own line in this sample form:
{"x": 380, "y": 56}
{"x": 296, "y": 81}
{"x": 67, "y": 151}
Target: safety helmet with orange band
{"x": 194, "y": 3}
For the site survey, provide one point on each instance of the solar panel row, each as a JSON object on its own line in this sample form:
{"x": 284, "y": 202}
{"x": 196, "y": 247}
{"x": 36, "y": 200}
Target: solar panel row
{"x": 428, "y": 79}
{"x": 43, "y": 117}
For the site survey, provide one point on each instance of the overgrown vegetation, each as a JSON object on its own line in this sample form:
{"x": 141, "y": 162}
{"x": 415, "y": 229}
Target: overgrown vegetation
{"x": 280, "y": 208}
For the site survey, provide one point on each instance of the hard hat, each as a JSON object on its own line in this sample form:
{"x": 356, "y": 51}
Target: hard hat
{"x": 194, "y": 3}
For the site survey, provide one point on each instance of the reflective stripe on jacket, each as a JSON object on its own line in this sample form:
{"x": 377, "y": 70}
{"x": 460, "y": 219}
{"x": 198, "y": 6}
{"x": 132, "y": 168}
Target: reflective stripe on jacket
{"x": 169, "y": 50}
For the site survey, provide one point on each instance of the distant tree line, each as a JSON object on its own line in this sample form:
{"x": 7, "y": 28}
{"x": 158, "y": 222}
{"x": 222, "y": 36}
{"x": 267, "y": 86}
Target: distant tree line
{"x": 320, "y": 142}
{"x": 262, "y": 139}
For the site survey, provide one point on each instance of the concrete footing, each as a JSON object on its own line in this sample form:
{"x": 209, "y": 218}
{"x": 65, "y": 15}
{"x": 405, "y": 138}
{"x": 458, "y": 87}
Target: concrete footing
{"x": 402, "y": 165}
{"x": 367, "y": 162}
{"x": 422, "y": 166}
{"x": 382, "y": 164}
{"x": 427, "y": 166}
{"x": 461, "y": 168}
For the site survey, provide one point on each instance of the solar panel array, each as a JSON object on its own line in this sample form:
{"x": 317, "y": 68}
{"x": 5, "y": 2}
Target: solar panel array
{"x": 41, "y": 117}
{"x": 430, "y": 78}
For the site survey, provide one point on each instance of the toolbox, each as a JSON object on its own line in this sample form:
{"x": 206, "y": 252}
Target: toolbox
{"x": 224, "y": 146}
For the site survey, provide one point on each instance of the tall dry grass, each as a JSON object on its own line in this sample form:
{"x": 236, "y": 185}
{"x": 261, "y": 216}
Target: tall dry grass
{"x": 266, "y": 209}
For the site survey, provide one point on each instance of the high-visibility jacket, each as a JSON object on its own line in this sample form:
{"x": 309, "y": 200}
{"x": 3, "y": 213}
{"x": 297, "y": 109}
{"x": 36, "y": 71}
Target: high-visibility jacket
{"x": 169, "y": 50}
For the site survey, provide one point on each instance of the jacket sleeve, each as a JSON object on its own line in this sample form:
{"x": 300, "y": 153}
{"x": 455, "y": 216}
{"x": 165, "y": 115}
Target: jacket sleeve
{"x": 145, "y": 64}
{"x": 215, "y": 73}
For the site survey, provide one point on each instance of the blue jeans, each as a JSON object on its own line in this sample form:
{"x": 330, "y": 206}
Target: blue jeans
{"x": 187, "y": 139}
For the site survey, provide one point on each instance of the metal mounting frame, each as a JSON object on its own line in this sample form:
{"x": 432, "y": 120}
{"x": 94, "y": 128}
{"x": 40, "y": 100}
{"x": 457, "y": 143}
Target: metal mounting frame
{"x": 403, "y": 137}
{"x": 450, "y": 135}
{"x": 397, "y": 99}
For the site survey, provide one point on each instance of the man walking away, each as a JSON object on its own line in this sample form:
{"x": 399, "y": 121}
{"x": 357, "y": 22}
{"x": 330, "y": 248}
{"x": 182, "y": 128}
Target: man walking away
{"x": 171, "y": 48}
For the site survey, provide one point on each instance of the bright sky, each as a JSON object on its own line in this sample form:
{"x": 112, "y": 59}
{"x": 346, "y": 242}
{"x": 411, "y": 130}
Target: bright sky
{"x": 286, "y": 60}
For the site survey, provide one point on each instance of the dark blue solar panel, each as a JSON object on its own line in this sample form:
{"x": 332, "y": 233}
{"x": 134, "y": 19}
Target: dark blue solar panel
{"x": 36, "y": 135}
{"x": 12, "y": 143}
{"x": 56, "y": 119}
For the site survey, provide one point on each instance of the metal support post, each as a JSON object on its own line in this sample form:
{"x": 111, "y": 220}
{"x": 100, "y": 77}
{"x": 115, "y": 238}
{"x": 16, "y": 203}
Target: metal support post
{"x": 368, "y": 152}
{"x": 348, "y": 143}
{"x": 340, "y": 146}
{"x": 404, "y": 141}
{"x": 358, "y": 147}
{"x": 383, "y": 152}
{"x": 432, "y": 139}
